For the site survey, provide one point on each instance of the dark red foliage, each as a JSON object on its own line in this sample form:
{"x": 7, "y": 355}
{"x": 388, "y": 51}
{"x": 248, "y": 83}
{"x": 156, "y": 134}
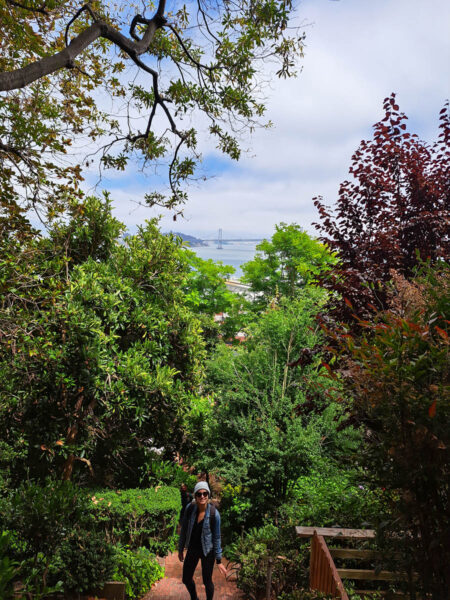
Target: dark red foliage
{"x": 395, "y": 209}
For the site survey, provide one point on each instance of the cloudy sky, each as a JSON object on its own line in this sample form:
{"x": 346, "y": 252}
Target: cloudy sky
{"x": 357, "y": 53}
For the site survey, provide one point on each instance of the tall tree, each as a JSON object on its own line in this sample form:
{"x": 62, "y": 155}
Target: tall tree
{"x": 58, "y": 60}
{"x": 274, "y": 413}
{"x": 394, "y": 210}
{"x": 398, "y": 374}
{"x": 99, "y": 352}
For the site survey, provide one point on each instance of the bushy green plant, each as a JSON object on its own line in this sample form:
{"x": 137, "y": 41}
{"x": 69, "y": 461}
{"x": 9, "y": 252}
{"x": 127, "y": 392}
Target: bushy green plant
{"x": 304, "y": 594}
{"x": 106, "y": 351}
{"x": 332, "y": 497}
{"x": 275, "y": 416}
{"x": 42, "y": 515}
{"x": 9, "y": 456}
{"x": 286, "y": 263}
{"x": 33, "y": 585}
{"x": 139, "y": 569}
{"x": 8, "y": 566}
{"x": 253, "y": 551}
{"x": 138, "y": 517}
{"x": 158, "y": 471}
{"x": 86, "y": 561}
{"x": 205, "y": 287}
{"x": 236, "y": 508}
{"x": 44, "y": 522}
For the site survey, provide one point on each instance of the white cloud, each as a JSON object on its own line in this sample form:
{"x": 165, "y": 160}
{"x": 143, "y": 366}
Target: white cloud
{"x": 358, "y": 52}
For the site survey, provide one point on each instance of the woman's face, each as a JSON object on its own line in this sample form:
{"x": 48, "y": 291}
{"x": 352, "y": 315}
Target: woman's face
{"x": 201, "y": 497}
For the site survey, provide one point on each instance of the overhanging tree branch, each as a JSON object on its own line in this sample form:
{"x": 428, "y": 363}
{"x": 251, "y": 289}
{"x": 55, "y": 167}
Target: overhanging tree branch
{"x": 218, "y": 78}
{"x": 20, "y": 78}
{"x": 42, "y": 9}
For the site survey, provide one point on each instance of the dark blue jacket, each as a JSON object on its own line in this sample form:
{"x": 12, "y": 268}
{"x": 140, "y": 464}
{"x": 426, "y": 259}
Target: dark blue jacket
{"x": 210, "y": 539}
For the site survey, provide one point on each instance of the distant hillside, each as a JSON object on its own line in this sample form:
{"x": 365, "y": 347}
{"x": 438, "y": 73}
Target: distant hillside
{"x": 190, "y": 239}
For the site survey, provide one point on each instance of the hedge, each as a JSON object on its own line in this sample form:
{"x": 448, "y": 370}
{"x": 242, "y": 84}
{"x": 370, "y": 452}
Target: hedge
{"x": 139, "y": 517}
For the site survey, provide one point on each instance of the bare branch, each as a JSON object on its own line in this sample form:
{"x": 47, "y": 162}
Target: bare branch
{"x": 205, "y": 21}
{"x": 188, "y": 54}
{"x": 19, "y": 153}
{"x": 137, "y": 20}
{"x": 86, "y": 8}
{"x": 11, "y": 150}
{"x": 42, "y": 10}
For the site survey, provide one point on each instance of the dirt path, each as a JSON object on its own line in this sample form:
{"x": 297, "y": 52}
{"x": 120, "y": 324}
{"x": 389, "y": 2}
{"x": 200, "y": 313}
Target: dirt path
{"x": 171, "y": 588}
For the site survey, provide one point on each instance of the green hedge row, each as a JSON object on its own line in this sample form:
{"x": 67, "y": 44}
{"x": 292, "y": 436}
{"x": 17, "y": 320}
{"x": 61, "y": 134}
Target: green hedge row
{"x": 137, "y": 517}
{"x": 60, "y": 537}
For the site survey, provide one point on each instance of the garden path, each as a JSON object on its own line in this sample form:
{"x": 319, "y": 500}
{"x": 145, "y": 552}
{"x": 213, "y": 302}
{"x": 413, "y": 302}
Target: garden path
{"x": 171, "y": 588}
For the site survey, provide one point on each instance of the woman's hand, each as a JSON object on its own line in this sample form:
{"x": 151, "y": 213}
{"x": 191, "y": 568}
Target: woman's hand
{"x": 223, "y": 569}
{"x": 181, "y": 556}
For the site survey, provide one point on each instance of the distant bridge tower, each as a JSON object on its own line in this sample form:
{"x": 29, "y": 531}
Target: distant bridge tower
{"x": 219, "y": 240}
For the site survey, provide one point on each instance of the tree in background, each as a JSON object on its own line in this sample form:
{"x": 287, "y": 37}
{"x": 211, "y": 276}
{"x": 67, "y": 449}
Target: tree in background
{"x": 398, "y": 375}
{"x": 395, "y": 210}
{"x": 206, "y": 290}
{"x": 286, "y": 263}
{"x": 99, "y": 353}
{"x": 207, "y": 295}
{"x": 60, "y": 59}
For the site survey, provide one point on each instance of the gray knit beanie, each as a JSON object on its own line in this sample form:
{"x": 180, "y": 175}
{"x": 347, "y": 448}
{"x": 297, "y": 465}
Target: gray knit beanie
{"x": 202, "y": 485}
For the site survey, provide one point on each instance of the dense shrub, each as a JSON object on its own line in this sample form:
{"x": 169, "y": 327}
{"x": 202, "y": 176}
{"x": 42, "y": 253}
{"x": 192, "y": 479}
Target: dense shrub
{"x": 99, "y": 353}
{"x": 275, "y": 414}
{"x": 325, "y": 497}
{"x": 254, "y": 549}
{"x": 398, "y": 374}
{"x": 8, "y": 567}
{"x": 85, "y": 560}
{"x": 63, "y": 537}
{"x": 42, "y": 515}
{"x": 52, "y": 538}
{"x": 138, "y": 517}
{"x": 139, "y": 569}
{"x": 329, "y": 497}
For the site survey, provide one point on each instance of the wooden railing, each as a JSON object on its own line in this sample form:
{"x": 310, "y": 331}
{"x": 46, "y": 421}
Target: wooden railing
{"x": 324, "y": 576}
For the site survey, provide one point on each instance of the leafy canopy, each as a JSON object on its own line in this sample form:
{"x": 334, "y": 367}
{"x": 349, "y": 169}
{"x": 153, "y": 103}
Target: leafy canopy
{"x": 99, "y": 352}
{"x": 398, "y": 375}
{"x": 125, "y": 84}
{"x": 206, "y": 290}
{"x": 393, "y": 210}
{"x": 287, "y": 262}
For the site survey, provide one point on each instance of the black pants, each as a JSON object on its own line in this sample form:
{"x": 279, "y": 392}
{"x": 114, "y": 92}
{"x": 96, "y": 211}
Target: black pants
{"x": 190, "y": 562}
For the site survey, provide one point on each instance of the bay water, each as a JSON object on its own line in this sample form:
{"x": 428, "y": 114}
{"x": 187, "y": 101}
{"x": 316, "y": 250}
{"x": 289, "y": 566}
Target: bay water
{"x": 231, "y": 253}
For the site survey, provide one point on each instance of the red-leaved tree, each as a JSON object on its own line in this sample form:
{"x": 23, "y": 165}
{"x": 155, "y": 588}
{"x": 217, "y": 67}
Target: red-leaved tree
{"x": 395, "y": 209}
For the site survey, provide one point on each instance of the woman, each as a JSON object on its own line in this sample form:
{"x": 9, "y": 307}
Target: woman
{"x": 200, "y": 534}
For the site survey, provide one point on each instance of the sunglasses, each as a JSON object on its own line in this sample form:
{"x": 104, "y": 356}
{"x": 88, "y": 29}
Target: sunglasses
{"x": 201, "y": 494}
